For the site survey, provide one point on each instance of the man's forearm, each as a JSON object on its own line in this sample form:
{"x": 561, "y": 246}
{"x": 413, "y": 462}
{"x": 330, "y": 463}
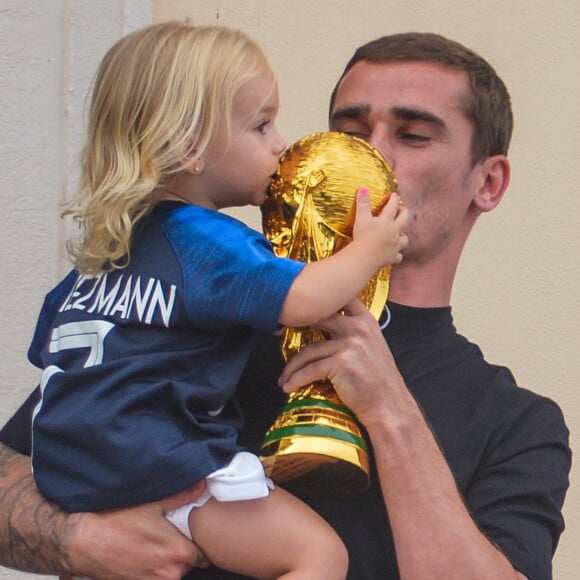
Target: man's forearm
{"x": 426, "y": 510}
{"x": 32, "y": 530}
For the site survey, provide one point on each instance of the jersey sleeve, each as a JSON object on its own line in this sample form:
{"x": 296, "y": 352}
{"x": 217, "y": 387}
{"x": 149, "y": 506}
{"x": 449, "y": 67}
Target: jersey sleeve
{"x": 230, "y": 273}
{"x": 517, "y": 496}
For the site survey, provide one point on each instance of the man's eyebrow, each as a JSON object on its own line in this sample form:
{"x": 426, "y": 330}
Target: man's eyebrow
{"x": 401, "y": 113}
{"x": 353, "y": 112}
{"x": 406, "y": 114}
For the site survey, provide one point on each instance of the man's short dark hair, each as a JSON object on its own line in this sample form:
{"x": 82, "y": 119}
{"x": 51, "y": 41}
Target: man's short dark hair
{"x": 488, "y": 105}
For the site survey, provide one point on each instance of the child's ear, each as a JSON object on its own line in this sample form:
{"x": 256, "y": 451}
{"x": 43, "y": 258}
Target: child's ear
{"x": 495, "y": 179}
{"x": 190, "y": 161}
{"x": 193, "y": 166}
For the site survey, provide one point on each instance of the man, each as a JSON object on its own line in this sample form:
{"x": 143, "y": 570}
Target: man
{"x": 470, "y": 471}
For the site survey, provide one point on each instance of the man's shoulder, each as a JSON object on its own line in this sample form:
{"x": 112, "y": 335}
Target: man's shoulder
{"x": 520, "y": 400}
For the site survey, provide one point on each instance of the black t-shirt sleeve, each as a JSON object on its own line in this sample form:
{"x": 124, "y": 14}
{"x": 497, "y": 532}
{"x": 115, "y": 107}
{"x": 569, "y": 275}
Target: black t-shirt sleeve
{"x": 17, "y": 433}
{"x": 517, "y": 496}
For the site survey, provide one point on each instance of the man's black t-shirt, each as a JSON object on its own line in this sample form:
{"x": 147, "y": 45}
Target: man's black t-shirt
{"x": 507, "y": 447}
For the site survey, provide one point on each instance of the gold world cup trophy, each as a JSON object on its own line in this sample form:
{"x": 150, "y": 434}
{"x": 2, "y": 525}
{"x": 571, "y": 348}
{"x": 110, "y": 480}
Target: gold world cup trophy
{"x": 315, "y": 446}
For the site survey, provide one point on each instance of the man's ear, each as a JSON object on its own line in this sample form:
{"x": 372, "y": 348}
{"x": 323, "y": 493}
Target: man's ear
{"x": 495, "y": 173}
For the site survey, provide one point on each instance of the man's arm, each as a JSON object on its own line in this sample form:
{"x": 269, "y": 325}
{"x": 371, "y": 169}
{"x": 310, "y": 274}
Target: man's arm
{"x": 134, "y": 543}
{"x": 434, "y": 534}
{"x": 33, "y": 532}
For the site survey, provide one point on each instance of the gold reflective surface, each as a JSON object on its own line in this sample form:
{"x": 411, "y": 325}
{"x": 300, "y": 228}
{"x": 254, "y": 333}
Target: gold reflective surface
{"x": 316, "y": 444}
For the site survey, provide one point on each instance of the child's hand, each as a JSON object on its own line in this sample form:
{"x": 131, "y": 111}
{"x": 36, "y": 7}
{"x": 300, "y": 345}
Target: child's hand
{"x": 384, "y": 233}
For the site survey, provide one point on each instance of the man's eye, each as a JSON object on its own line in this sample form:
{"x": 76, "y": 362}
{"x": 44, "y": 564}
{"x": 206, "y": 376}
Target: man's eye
{"x": 415, "y": 138}
{"x": 354, "y": 131}
{"x": 361, "y": 134}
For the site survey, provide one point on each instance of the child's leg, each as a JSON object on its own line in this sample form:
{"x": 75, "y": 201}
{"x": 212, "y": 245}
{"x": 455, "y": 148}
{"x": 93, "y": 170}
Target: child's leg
{"x": 274, "y": 537}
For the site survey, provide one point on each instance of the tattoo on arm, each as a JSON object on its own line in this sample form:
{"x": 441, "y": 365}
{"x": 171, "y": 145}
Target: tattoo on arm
{"x": 32, "y": 530}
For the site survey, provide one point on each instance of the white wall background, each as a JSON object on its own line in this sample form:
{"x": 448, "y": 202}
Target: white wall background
{"x": 518, "y": 286}
{"x": 49, "y": 51}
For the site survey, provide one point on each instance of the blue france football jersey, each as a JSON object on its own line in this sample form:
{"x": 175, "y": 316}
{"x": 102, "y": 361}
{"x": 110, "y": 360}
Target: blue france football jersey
{"x": 141, "y": 364}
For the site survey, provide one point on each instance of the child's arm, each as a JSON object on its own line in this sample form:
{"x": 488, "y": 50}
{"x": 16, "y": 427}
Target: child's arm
{"x": 324, "y": 287}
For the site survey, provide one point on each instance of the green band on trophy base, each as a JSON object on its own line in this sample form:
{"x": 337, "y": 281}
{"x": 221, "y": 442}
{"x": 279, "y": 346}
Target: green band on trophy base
{"x": 314, "y": 430}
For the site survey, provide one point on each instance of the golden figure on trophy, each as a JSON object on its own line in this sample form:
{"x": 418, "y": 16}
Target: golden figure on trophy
{"x": 316, "y": 444}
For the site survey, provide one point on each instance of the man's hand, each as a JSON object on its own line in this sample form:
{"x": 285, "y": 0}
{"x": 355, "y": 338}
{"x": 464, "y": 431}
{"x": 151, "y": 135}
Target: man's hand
{"x": 357, "y": 360}
{"x": 134, "y": 543}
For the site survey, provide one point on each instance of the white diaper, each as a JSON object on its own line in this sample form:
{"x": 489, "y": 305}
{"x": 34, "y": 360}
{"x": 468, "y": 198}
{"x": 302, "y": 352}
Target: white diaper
{"x": 243, "y": 478}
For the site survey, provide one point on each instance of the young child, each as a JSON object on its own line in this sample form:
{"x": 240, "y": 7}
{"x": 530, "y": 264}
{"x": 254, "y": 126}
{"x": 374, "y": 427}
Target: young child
{"x": 143, "y": 343}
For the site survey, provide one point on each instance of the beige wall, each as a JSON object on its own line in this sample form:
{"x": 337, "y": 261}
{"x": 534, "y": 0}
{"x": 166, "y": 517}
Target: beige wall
{"x": 516, "y": 293}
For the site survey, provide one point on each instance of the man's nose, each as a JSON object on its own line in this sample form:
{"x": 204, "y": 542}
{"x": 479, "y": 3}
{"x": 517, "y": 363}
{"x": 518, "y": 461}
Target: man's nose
{"x": 380, "y": 140}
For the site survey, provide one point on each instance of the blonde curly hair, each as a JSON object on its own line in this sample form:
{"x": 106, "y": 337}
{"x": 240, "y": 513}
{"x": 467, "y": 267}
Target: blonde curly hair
{"x": 157, "y": 100}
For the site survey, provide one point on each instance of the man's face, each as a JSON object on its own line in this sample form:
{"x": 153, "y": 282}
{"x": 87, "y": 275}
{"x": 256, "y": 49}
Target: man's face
{"x": 412, "y": 113}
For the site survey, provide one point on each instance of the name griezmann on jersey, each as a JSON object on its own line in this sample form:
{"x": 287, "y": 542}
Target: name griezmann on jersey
{"x": 124, "y": 297}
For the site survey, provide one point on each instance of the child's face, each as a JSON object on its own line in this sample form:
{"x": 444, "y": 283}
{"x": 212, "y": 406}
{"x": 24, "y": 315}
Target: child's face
{"x": 238, "y": 168}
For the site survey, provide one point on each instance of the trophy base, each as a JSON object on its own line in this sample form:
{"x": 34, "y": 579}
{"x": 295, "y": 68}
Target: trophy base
{"x": 336, "y": 468}
{"x": 315, "y": 446}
